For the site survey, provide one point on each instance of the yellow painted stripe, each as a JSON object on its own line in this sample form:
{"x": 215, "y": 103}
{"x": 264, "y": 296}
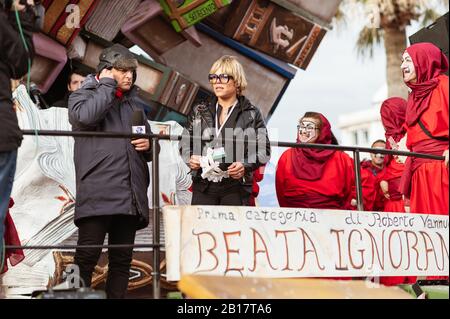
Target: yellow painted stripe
{"x": 53, "y": 12}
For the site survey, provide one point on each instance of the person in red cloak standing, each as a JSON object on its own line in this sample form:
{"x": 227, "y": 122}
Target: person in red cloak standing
{"x": 314, "y": 178}
{"x": 371, "y": 173}
{"x": 425, "y": 181}
{"x": 393, "y": 112}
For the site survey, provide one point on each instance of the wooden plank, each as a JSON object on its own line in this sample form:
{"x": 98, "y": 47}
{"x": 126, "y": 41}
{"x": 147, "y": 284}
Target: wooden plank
{"x": 215, "y": 287}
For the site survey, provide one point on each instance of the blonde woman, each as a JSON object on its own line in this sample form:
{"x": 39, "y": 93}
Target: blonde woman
{"x": 222, "y": 170}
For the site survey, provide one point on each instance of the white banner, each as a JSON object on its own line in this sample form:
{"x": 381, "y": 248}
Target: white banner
{"x": 286, "y": 243}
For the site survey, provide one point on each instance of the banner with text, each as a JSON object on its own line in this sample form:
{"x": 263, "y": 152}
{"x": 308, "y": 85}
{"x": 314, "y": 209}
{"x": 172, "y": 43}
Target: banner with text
{"x": 289, "y": 242}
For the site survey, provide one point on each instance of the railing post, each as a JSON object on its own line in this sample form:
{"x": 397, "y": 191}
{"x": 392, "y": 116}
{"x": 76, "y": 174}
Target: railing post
{"x": 359, "y": 195}
{"x": 156, "y": 275}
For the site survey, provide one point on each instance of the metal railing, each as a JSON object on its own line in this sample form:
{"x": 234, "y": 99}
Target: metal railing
{"x": 156, "y": 225}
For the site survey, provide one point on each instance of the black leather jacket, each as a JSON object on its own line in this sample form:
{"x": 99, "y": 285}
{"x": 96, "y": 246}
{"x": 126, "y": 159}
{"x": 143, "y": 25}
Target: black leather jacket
{"x": 201, "y": 123}
{"x": 13, "y": 65}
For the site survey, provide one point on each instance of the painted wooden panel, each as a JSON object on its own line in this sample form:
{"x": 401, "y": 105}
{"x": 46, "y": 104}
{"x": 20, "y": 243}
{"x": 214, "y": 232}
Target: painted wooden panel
{"x": 272, "y": 29}
{"x": 265, "y": 85}
{"x": 64, "y": 19}
{"x": 186, "y": 13}
{"x": 325, "y": 10}
{"x": 179, "y": 93}
{"x": 149, "y": 28}
{"x": 109, "y": 17}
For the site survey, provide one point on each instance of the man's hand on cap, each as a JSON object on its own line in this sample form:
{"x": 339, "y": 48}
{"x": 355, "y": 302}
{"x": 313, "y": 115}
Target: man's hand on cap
{"x": 106, "y": 74}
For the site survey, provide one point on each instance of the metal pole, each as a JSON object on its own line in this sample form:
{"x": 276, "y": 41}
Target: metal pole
{"x": 359, "y": 195}
{"x": 276, "y": 143}
{"x": 156, "y": 222}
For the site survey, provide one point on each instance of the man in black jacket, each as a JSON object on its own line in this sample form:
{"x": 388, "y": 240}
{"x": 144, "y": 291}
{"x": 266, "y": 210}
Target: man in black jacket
{"x": 111, "y": 174}
{"x": 15, "y": 58}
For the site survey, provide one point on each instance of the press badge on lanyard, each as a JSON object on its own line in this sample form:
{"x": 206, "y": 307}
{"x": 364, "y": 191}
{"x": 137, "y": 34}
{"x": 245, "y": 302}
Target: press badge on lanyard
{"x": 219, "y": 152}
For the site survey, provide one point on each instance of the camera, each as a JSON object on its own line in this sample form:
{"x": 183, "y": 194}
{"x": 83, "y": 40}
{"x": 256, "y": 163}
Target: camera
{"x": 7, "y": 4}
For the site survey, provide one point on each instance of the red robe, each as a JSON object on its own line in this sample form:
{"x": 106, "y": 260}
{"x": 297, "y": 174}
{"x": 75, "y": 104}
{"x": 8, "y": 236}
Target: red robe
{"x": 258, "y": 176}
{"x": 332, "y": 191}
{"x": 395, "y": 204}
{"x": 429, "y": 184}
{"x": 430, "y": 179}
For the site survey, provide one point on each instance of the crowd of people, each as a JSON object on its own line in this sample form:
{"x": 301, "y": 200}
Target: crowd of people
{"x": 112, "y": 175}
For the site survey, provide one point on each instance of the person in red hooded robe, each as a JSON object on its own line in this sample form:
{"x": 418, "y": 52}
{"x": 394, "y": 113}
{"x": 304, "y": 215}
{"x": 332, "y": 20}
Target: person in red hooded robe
{"x": 425, "y": 181}
{"x": 393, "y": 112}
{"x": 314, "y": 178}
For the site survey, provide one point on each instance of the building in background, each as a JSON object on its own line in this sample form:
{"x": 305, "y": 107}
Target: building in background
{"x": 363, "y": 127}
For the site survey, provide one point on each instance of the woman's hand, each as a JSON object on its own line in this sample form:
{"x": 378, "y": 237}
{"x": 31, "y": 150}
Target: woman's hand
{"x": 385, "y": 188}
{"x": 194, "y": 162}
{"x": 236, "y": 170}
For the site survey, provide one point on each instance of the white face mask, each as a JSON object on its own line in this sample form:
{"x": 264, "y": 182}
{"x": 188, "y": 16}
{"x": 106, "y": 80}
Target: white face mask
{"x": 400, "y": 146}
{"x": 307, "y": 131}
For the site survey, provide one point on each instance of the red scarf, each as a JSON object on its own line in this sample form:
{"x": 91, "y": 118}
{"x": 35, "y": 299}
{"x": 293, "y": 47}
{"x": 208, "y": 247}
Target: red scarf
{"x": 119, "y": 93}
{"x": 429, "y": 63}
{"x": 309, "y": 163}
{"x": 11, "y": 237}
{"x": 393, "y": 113}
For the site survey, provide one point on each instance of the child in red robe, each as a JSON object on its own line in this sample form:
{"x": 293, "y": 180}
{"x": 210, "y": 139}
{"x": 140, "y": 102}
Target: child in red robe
{"x": 393, "y": 113}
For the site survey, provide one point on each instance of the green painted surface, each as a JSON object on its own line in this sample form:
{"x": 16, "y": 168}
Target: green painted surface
{"x": 194, "y": 16}
{"x": 433, "y": 292}
{"x": 175, "y": 295}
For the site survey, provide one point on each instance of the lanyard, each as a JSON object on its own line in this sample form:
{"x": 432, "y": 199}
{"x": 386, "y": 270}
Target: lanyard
{"x": 219, "y": 129}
